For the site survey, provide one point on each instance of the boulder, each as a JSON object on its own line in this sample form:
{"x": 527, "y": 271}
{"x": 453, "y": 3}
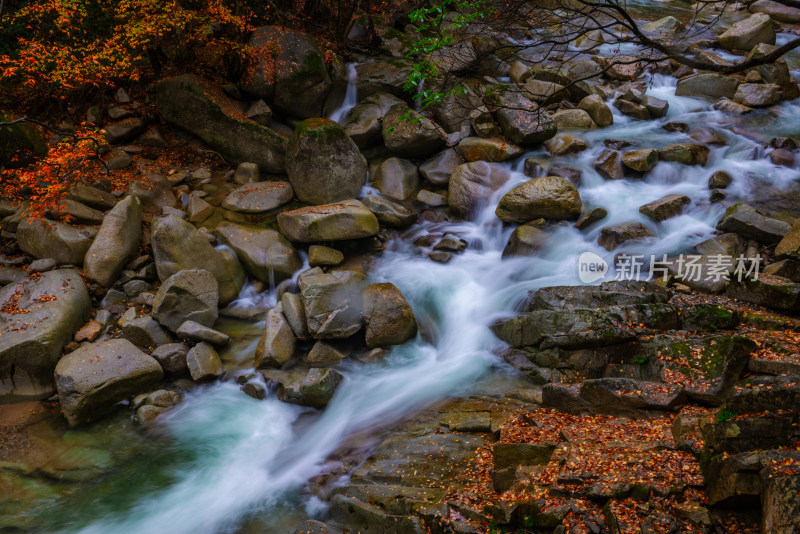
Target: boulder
{"x": 37, "y": 318}
{"x": 396, "y": 178}
{"x": 719, "y": 180}
{"x": 187, "y": 295}
{"x": 363, "y": 122}
{"x": 438, "y": 169}
{"x": 194, "y": 331}
{"x": 265, "y": 254}
{"x": 780, "y": 505}
{"x": 349, "y": 219}
{"x": 333, "y": 303}
{"x": 390, "y": 213}
{"x": 295, "y": 314}
{"x": 525, "y": 240}
{"x": 95, "y": 377}
{"x": 685, "y": 153}
{"x": 277, "y": 343}
{"x": 67, "y": 244}
{"x": 750, "y": 223}
{"x": 609, "y": 165}
{"x": 388, "y": 317}
{"x": 258, "y": 197}
{"x": 573, "y": 119}
{"x": 776, "y": 71}
{"x": 707, "y": 85}
{"x": 597, "y": 109}
{"x": 607, "y": 294}
{"x": 198, "y": 209}
{"x": 626, "y": 395}
{"x": 115, "y": 244}
{"x": 92, "y": 197}
{"x": 789, "y": 245}
{"x": 565, "y": 145}
{"x": 387, "y": 76}
{"x": 196, "y": 105}
{"x": 665, "y": 207}
{"x": 665, "y": 26}
{"x": 551, "y": 197}
{"x": 410, "y": 134}
{"x": 544, "y": 92}
{"x": 731, "y": 107}
{"x": 776, "y": 11}
{"x": 172, "y": 358}
{"x": 632, "y": 109}
{"x": 641, "y": 160}
{"x": 768, "y": 290}
{"x": 522, "y": 121}
{"x": 747, "y": 33}
{"x": 320, "y": 256}
{"x": 318, "y": 387}
{"x": 472, "y": 184}
{"x": 324, "y": 165}
{"x": 325, "y": 353}
{"x": 589, "y": 218}
{"x": 613, "y": 236}
{"x": 289, "y": 71}
{"x": 177, "y": 246}
{"x": 758, "y": 95}
{"x": 143, "y": 331}
{"x": 495, "y": 150}
{"x": 125, "y": 131}
{"x": 203, "y": 363}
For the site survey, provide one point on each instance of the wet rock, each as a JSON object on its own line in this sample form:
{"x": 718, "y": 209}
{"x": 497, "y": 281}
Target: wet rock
{"x": 551, "y": 197}
{"x": 317, "y": 527}
{"x": 632, "y": 109}
{"x": 432, "y": 199}
{"x": 598, "y": 110}
{"x": 706, "y": 136}
{"x": 325, "y": 353}
{"x": 782, "y": 156}
{"x": 665, "y": 207}
{"x": 289, "y": 71}
{"x": 93, "y": 378}
{"x": 413, "y": 137}
{"x": 521, "y": 120}
{"x": 609, "y": 165}
{"x": 388, "y": 317}
{"x": 390, "y": 213}
{"x": 720, "y": 180}
{"x": 494, "y": 150}
{"x": 768, "y": 290}
{"x": 41, "y": 238}
{"x": 613, "y": 236}
{"x": 564, "y": 145}
{"x": 396, "y": 178}
{"x": 573, "y": 119}
{"x": 592, "y": 216}
{"x": 277, "y": 343}
{"x": 746, "y": 34}
{"x": 544, "y": 92}
{"x": 349, "y": 219}
{"x": 53, "y": 307}
{"x": 473, "y": 183}
{"x": 259, "y": 197}
{"x": 707, "y": 85}
{"x": 776, "y": 71}
{"x": 200, "y": 107}
{"x": 203, "y": 363}
{"x": 319, "y": 386}
{"x": 324, "y": 256}
{"x": 172, "y": 358}
{"x": 440, "y": 167}
{"x": 451, "y": 243}
{"x": 685, "y": 153}
{"x": 363, "y": 122}
{"x": 266, "y": 254}
{"x": 758, "y": 95}
{"x": 194, "y": 331}
{"x": 641, "y": 160}
{"x": 177, "y": 246}
{"x": 187, "y": 295}
{"x": 731, "y": 107}
{"x": 748, "y": 222}
{"x": 725, "y": 245}
{"x": 525, "y": 240}
{"x": 333, "y": 303}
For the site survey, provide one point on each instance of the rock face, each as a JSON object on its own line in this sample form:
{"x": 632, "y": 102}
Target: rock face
{"x": 92, "y": 379}
{"x": 116, "y": 242}
{"x": 187, "y": 295}
{"x": 196, "y": 105}
{"x": 388, "y": 317}
{"x": 412, "y": 137}
{"x": 266, "y": 254}
{"x": 522, "y": 121}
{"x": 473, "y": 183}
{"x": 551, "y": 197}
{"x": 178, "y": 246}
{"x": 333, "y": 222}
{"x": 324, "y": 165}
{"x": 28, "y": 355}
{"x": 748, "y": 222}
{"x": 746, "y": 34}
{"x": 290, "y": 72}
{"x": 277, "y": 343}
{"x": 49, "y": 239}
{"x": 333, "y": 303}
{"x": 259, "y": 197}
{"x": 707, "y": 85}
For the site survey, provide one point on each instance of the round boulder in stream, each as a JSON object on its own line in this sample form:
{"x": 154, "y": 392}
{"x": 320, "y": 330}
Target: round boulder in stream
{"x": 551, "y": 197}
{"x": 389, "y": 318}
{"x": 324, "y": 165}
{"x": 473, "y": 183}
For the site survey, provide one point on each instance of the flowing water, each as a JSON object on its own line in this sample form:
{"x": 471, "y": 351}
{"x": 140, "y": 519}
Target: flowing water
{"x": 222, "y": 457}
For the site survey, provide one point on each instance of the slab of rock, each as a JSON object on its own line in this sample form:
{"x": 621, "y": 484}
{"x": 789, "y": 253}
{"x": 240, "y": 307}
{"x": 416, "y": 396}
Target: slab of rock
{"x": 390, "y": 213}
{"x": 187, "y": 295}
{"x": 42, "y": 238}
{"x": 324, "y": 165}
{"x": 259, "y": 197}
{"x": 750, "y": 223}
{"x": 747, "y": 33}
{"x": 551, "y": 197}
{"x": 265, "y": 254}
{"x": 768, "y": 290}
{"x": 92, "y": 379}
{"x": 625, "y": 395}
{"x": 479, "y": 149}
{"x": 333, "y": 303}
{"x": 388, "y": 317}
{"x": 707, "y": 85}
{"x": 665, "y": 207}
{"x": 38, "y": 317}
{"x": 349, "y": 219}
{"x": 473, "y": 183}
{"x": 613, "y": 236}
{"x": 277, "y": 343}
{"x": 522, "y": 121}
{"x": 295, "y": 314}
{"x": 115, "y": 244}
{"x": 605, "y": 295}
{"x": 203, "y": 363}
{"x": 197, "y": 332}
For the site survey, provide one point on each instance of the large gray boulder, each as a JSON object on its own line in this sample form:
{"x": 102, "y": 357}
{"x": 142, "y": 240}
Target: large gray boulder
{"x": 747, "y": 33}
{"x": 472, "y": 184}
{"x": 116, "y": 243}
{"x": 289, "y": 71}
{"x": 333, "y": 303}
{"x": 92, "y": 379}
{"x": 187, "y": 295}
{"x": 324, "y": 165}
{"x": 750, "y": 223}
{"x": 409, "y": 134}
{"x": 333, "y": 222}
{"x": 266, "y": 254}
{"x": 41, "y": 238}
{"x": 707, "y": 85}
{"x": 37, "y": 318}
{"x": 178, "y": 246}
{"x": 551, "y": 197}
{"x": 200, "y": 107}
{"x": 389, "y": 318}
{"x": 523, "y": 122}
